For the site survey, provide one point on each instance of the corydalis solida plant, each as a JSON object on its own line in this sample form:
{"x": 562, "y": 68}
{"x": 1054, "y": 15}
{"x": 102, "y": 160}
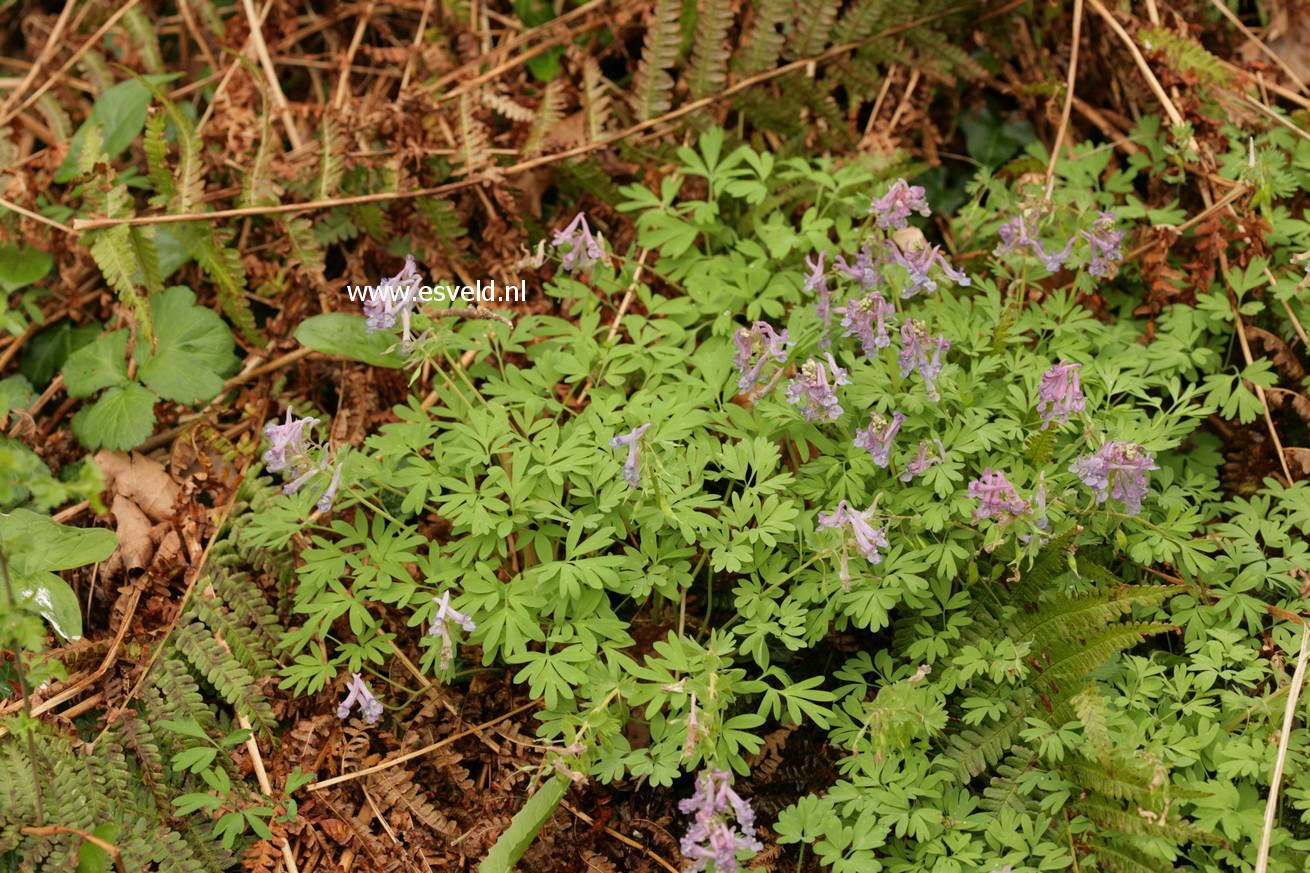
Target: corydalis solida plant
{"x": 291, "y": 448}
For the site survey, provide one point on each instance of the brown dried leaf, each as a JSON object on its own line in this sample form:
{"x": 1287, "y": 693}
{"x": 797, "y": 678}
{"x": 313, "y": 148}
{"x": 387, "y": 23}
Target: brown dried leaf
{"x": 1283, "y": 356}
{"x": 140, "y": 479}
{"x": 1299, "y": 457}
{"x": 135, "y": 547}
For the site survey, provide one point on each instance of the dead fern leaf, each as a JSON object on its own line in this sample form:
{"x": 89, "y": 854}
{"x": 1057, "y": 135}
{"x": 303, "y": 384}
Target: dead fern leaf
{"x": 1282, "y": 355}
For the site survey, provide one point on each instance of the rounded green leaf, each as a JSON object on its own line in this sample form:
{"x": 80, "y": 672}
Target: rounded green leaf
{"x": 193, "y": 349}
{"x": 340, "y": 333}
{"x": 102, "y": 364}
{"x": 54, "y": 599}
{"x": 122, "y": 418}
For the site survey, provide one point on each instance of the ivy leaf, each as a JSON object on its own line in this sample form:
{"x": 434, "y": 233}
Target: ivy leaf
{"x": 193, "y": 349}
{"x": 122, "y": 418}
{"x": 102, "y": 364}
{"x": 341, "y": 333}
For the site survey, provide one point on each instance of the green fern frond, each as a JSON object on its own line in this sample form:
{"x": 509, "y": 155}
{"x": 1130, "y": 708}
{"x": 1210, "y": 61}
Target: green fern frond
{"x": 1120, "y": 857}
{"x": 228, "y": 676}
{"x": 708, "y": 71}
{"x": 330, "y": 165}
{"x": 1186, "y": 56}
{"x": 55, "y": 117}
{"x": 548, "y": 114}
{"x": 1038, "y": 450}
{"x": 156, "y": 149}
{"x": 652, "y": 92}
{"x": 1126, "y": 821}
{"x": 764, "y": 44}
{"x": 472, "y": 145}
{"x": 1008, "y": 789}
{"x": 861, "y": 19}
{"x": 813, "y": 27}
{"x": 141, "y": 30}
{"x": 595, "y": 99}
{"x": 1074, "y": 662}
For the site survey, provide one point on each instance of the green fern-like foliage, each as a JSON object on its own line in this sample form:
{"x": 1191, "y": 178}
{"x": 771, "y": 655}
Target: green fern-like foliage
{"x": 652, "y": 93}
{"x": 216, "y": 664}
{"x": 709, "y": 52}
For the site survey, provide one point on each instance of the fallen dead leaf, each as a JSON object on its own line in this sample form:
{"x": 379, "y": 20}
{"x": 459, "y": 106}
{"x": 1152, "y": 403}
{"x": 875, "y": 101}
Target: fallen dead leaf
{"x": 135, "y": 547}
{"x": 142, "y": 480}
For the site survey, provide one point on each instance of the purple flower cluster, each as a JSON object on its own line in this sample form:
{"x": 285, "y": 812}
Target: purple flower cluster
{"x": 895, "y": 207}
{"x": 289, "y": 448}
{"x": 868, "y": 539}
{"x": 814, "y": 392}
{"x": 922, "y": 461}
{"x": 757, "y": 343}
{"x": 996, "y": 498}
{"x": 1014, "y": 236}
{"x": 1059, "y": 394}
{"x": 632, "y": 465}
{"x": 357, "y": 692}
{"x": 723, "y": 824}
{"x": 441, "y": 626}
{"x": 916, "y": 346}
{"x": 1105, "y": 243}
{"x": 1118, "y": 470}
{"x": 918, "y": 262}
{"x": 868, "y": 318}
{"x": 584, "y": 248}
{"x": 393, "y": 298}
{"x": 878, "y": 436}
{"x": 864, "y": 270}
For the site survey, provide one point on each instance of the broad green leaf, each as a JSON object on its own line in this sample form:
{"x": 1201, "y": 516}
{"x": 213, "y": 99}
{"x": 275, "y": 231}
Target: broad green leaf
{"x": 193, "y": 349}
{"x": 102, "y": 364}
{"x": 47, "y": 351}
{"x": 54, "y": 599}
{"x": 120, "y": 113}
{"x": 527, "y": 823}
{"x": 36, "y": 543}
{"x": 340, "y": 333}
{"x": 20, "y": 266}
{"x": 122, "y": 418}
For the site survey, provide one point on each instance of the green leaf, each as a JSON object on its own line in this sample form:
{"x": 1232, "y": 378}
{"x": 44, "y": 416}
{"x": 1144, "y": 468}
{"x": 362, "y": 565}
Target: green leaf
{"x": 122, "y": 418}
{"x": 54, "y": 599}
{"x": 90, "y": 857}
{"x": 120, "y": 113}
{"x": 193, "y": 349}
{"x": 102, "y": 364}
{"x": 341, "y": 333}
{"x": 47, "y": 351}
{"x": 195, "y": 759}
{"x": 527, "y": 823}
{"x": 187, "y": 727}
{"x": 36, "y": 543}
{"x": 20, "y": 266}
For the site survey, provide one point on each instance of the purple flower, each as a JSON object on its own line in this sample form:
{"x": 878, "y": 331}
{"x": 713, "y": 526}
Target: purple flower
{"x": 918, "y": 263}
{"x": 584, "y": 248}
{"x": 814, "y": 394}
{"x": 758, "y": 339}
{"x": 864, "y": 270}
{"x": 915, "y": 344}
{"x": 817, "y": 283}
{"x": 877, "y": 437}
{"x": 1105, "y": 244}
{"x": 392, "y": 298}
{"x": 441, "y": 629}
{"x": 330, "y": 493}
{"x": 923, "y": 460}
{"x": 723, "y": 824}
{"x": 358, "y": 692}
{"x": 894, "y": 208}
{"x": 1118, "y": 470}
{"x": 631, "y": 466}
{"x": 1014, "y": 236}
{"x": 996, "y": 497}
{"x": 859, "y": 316}
{"x": 867, "y": 538}
{"x": 1059, "y": 393}
{"x": 288, "y": 438}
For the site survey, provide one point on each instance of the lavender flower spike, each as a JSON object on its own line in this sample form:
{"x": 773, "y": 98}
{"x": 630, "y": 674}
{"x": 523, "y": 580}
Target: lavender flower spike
{"x": 867, "y": 537}
{"x": 1060, "y": 394}
{"x": 812, "y": 391}
{"x": 894, "y": 208}
{"x": 1105, "y": 244}
{"x": 1118, "y": 470}
{"x": 392, "y": 298}
{"x": 923, "y": 460}
{"x": 996, "y": 498}
{"x": 1014, "y": 236}
{"x": 918, "y": 262}
{"x": 817, "y": 283}
{"x": 325, "y": 499}
{"x": 758, "y": 339}
{"x": 584, "y": 248}
{"x": 864, "y": 270}
{"x": 877, "y": 437}
{"x": 723, "y": 824}
{"x": 915, "y": 344}
{"x": 358, "y": 692}
{"x": 286, "y": 438}
{"x": 859, "y": 316}
{"x": 441, "y": 628}
{"x": 631, "y": 466}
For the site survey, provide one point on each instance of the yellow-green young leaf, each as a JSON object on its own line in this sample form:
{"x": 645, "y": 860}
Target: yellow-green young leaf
{"x": 340, "y": 333}
{"x": 122, "y": 418}
{"x": 525, "y": 826}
